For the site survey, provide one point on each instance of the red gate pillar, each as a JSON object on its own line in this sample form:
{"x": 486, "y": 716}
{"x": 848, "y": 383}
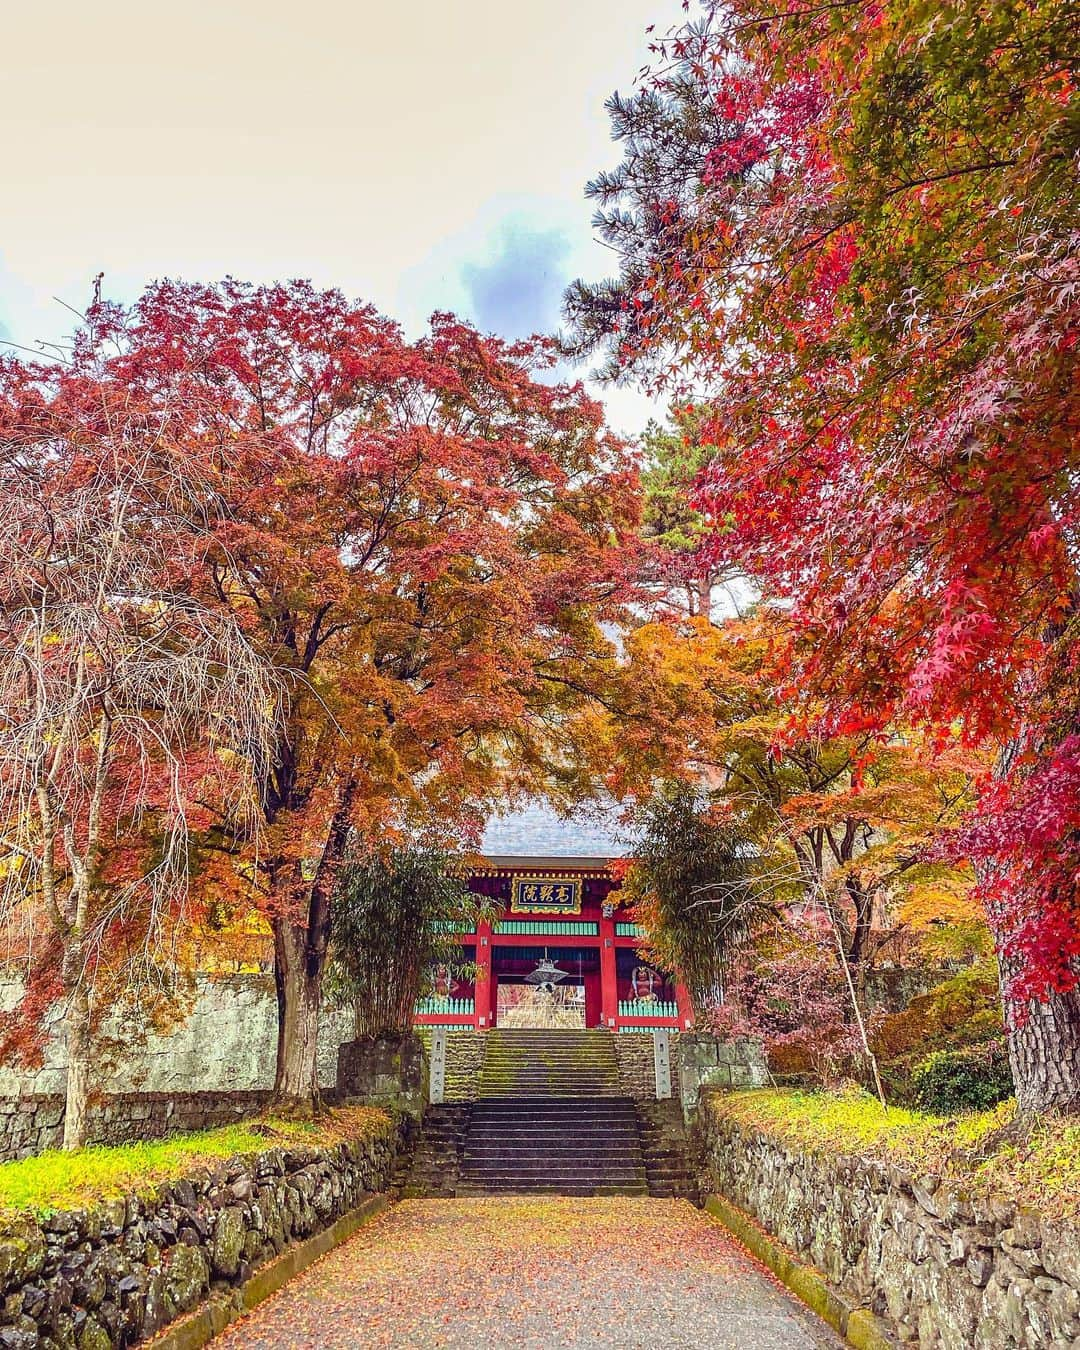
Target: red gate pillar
{"x": 609, "y": 982}
{"x": 483, "y": 976}
{"x": 592, "y": 1001}
{"x": 686, "y": 1007}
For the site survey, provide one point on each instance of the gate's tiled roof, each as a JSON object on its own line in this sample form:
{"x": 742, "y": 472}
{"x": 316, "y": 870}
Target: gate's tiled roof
{"x": 536, "y": 830}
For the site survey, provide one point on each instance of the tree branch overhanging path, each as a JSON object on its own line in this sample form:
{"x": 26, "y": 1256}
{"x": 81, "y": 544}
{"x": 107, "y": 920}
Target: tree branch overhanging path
{"x": 848, "y": 251}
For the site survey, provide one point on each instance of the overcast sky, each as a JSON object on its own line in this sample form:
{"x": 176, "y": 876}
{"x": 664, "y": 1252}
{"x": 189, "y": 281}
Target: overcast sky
{"x": 422, "y": 156}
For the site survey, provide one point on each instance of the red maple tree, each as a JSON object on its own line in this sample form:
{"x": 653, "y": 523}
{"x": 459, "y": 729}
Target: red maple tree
{"x": 850, "y": 234}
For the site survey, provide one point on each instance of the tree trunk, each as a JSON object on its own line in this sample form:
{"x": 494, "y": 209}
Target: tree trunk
{"x": 298, "y": 982}
{"x": 860, "y": 944}
{"x": 299, "y": 959}
{"x": 77, "y": 1086}
{"x": 1044, "y": 1038}
{"x": 1044, "y": 1051}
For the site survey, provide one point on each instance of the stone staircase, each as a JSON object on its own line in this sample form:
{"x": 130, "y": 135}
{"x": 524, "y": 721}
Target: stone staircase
{"x": 669, "y": 1169}
{"x": 551, "y": 1118}
{"x": 560, "y": 1063}
{"x": 432, "y": 1167}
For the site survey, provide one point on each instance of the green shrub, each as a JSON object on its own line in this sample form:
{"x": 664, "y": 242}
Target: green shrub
{"x": 972, "y": 1079}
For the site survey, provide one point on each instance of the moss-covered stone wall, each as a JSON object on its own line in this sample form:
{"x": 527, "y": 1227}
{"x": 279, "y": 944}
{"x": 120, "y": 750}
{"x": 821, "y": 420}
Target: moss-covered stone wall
{"x": 34, "y": 1122}
{"x": 943, "y": 1268}
{"x": 118, "y": 1271}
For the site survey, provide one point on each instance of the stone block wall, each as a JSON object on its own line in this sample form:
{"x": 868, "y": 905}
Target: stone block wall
{"x": 31, "y": 1123}
{"x": 118, "y": 1272}
{"x": 890, "y": 989}
{"x": 464, "y": 1063}
{"x": 707, "y": 1061}
{"x": 942, "y": 1268}
{"x": 212, "y": 1064}
{"x": 385, "y": 1070}
{"x": 222, "y": 1038}
{"x": 637, "y": 1064}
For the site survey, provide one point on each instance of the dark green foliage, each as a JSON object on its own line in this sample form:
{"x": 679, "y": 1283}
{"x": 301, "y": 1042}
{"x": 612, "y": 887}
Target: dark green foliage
{"x": 667, "y": 137}
{"x": 672, "y": 459}
{"x": 692, "y": 885}
{"x": 962, "y": 1012}
{"x": 972, "y": 1079}
{"x": 394, "y": 918}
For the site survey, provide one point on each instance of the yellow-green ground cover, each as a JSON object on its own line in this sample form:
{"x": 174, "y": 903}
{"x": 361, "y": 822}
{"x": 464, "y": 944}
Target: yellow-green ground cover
{"x": 57, "y": 1180}
{"x": 1037, "y": 1164}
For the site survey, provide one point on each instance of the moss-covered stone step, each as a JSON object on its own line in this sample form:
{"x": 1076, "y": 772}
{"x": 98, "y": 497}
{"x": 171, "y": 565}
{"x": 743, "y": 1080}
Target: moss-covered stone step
{"x": 549, "y": 1064}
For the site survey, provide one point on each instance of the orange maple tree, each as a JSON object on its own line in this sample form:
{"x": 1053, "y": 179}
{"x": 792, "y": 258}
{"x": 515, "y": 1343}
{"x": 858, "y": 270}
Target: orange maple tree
{"x": 421, "y": 539}
{"x": 844, "y": 828}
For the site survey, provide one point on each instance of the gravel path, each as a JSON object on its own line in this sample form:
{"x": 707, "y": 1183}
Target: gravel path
{"x": 532, "y": 1271}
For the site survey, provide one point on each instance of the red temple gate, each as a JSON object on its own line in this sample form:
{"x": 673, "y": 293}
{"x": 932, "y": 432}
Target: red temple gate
{"x": 559, "y": 912}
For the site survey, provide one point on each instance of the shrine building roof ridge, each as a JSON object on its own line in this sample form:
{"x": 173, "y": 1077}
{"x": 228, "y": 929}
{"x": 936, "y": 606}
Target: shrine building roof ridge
{"x": 519, "y": 863}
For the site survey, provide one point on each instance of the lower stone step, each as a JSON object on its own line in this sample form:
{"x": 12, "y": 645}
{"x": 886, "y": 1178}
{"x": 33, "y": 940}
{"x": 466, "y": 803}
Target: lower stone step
{"x": 538, "y": 1105}
{"x": 570, "y": 1184}
{"x": 437, "y": 1157}
{"x": 615, "y": 1131}
{"x": 665, "y": 1149}
{"x": 552, "y": 1148}
{"x": 517, "y": 1188}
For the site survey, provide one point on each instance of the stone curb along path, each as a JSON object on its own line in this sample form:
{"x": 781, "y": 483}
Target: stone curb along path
{"x": 859, "y": 1327}
{"x": 198, "y": 1328}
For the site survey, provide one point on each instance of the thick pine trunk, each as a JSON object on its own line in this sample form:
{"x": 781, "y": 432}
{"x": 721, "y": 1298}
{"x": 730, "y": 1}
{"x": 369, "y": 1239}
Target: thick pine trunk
{"x": 77, "y": 1086}
{"x": 1044, "y": 1053}
{"x": 298, "y": 982}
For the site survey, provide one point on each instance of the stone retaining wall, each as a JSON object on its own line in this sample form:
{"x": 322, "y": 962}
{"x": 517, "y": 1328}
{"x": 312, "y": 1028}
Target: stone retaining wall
{"x": 117, "y": 1273}
{"x": 223, "y": 1038}
{"x": 390, "y": 1070}
{"x": 637, "y": 1064}
{"x": 464, "y": 1062}
{"x": 212, "y": 1065}
{"x": 34, "y": 1122}
{"x": 941, "y": 1268}
{"x": 710, "y": 1061}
